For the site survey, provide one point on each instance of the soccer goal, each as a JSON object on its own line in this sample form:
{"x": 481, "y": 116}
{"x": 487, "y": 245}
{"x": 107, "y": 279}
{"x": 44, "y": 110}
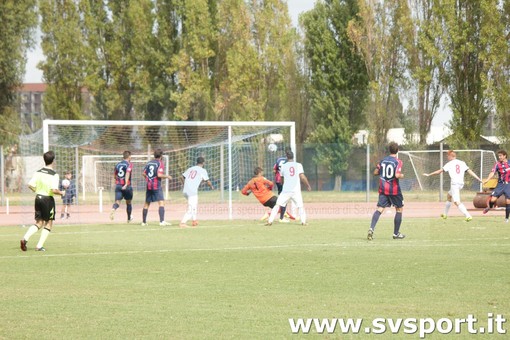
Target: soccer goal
{"x": 231, "y": 151}
{"x": 427, "y": 161}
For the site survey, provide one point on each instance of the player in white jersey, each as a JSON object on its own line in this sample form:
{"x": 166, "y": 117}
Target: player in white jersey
{"x": 193, "y": 177}
{"x": 292, "y": 174}
{"x": 456, "y": 169}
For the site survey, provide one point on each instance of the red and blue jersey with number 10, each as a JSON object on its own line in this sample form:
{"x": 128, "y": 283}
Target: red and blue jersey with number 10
{"x": 388, "y": 168}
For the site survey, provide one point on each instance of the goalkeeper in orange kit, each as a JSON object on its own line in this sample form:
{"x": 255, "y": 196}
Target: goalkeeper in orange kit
{"x": 261, "y": 187}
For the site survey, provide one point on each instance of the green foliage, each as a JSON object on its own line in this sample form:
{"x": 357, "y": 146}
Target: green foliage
{"x": 338, "y": 80}
{"x": 18, "y": 20}
{"x": 472, "y": 35}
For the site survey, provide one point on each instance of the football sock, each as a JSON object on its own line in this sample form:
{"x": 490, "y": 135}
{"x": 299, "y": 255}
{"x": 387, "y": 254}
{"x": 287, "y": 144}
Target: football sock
{"x": 31, "y": 231}
{"x": 44, "y": 235}
{"x": 282, "y": 212}
{"x": 115, "y": 206}
{"x": 507, "y": 211}
{"x": 274, "y": 211}
{"x": 463, "y": 210}
{"x": 397, "y": 221}
{"x": 144, "y": 215}
{"x": 302, "y": 214}
{"x": 491, "y": 204}
{"x": 375, "y": 218}
{"x": 161, "y": 212}
{"x": 129, "y": 209}
{"x": 447, "y": 207}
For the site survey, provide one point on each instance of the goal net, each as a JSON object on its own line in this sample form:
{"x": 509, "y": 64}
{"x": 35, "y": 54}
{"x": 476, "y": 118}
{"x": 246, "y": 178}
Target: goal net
{"x": 419, "y": 162}
{"x": 90, "y": 149}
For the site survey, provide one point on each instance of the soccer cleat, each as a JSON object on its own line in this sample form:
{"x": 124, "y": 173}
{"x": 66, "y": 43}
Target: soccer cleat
{"x": 506, "y": 220}
{"x": 444, "y": 217}
{"x": 468, "y": 219}
{"x": 370, "y": 235}
{"x": 284, "y": 220}
{"x": 265, "y": 217}
{"x": 194, "y": 223}
{"x": 131, "y": 219}
{"x": 144, "y": 224}
{"x": 40, "y": 249}
{"x": 112, "y": 214}
{"x": 486, "y": 210}
{"x": 304, "y": 224}
{"x": 183, "y": 225}
{"x": 289, "y": 216}
{"x": 23, "y": 244}
{"x": 164, "y": 224}
{"x": 399, "y": 236}
{"x": 268, "y": 224}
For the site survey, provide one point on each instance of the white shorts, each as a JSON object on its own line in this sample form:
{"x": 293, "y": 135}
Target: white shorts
{"x": 295, "y": 197}
{"x": 455, "y": 191}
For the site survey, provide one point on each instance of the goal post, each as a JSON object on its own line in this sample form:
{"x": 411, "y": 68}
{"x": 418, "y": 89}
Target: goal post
{"x": 419, "y": 162}
{"x": 231, "y": 150}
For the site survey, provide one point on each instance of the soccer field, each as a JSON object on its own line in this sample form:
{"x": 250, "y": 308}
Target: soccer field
{"x": 243, "y": 280}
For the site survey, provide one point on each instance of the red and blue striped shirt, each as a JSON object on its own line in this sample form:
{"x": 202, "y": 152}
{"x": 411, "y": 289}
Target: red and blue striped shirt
{"x": 388, "y": 168}
{"x": 151, "y": 171}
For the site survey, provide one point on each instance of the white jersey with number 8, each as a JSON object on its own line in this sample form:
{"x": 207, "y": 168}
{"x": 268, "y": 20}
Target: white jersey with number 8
{"x": 456, "y": 169}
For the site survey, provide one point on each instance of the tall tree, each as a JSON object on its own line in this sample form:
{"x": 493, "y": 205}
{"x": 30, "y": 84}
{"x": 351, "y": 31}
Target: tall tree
{"x": 18, "y": 20}
{"x": 237, "y": 68}
{"x": 379, "y": 37}
{"x": 192, "y": 62}
{"x": 64, "y": 68}
{"x": 502, "y": 75}
{"x": 338, "y": 80}
{"x": 472, "y": 35}
{"x": 425, "y": 63}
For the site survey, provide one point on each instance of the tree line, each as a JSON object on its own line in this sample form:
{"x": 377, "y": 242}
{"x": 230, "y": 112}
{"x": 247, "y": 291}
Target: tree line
{"x": 349, "y": 65}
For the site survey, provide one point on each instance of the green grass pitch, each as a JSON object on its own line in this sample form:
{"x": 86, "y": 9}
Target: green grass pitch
{"x": 242, "y": 280}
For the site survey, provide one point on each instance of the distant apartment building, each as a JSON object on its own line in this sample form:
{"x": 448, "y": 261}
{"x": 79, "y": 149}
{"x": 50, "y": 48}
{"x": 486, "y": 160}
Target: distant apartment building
{"x": 31, "y": 101}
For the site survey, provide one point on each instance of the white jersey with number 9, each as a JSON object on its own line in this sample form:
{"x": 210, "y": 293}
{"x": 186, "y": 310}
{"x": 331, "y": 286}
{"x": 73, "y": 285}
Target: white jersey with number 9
{"x": 290, "y": 172}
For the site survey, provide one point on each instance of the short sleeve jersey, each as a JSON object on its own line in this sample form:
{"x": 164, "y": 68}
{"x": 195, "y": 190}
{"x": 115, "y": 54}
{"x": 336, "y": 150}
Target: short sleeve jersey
{"x": 121, "y": 170}
{"x": 456, "y": 169}
{"x": 44, "y": 181}
{"x": 503, "y": 171}
{"x": 277, "y": 168}
{"x": 192, "y": 179}
{"x": 290, "y": 172}
{"x": 389, "y": 184}
{"x": 151, "y": 170}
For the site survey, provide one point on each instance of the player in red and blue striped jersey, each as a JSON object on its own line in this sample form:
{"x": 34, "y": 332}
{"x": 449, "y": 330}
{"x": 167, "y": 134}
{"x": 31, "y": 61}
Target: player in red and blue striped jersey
{"x": 502, "y": 168}
{"x": 123, "y": 188}
{"x": 153, "y": 173}
{"x": 389, "y": 171}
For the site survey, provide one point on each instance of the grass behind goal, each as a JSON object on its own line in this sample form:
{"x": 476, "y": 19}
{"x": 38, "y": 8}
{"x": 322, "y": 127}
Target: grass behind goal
{"x": 241, "y": 279}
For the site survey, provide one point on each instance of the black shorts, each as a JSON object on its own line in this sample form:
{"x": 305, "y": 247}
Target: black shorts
{"x": 67, "y": 200}
{"x": 270, "y": 202}
{"x": 499, "y": 190}
{"x": 154, "y": 195}
{"x": 386, "y": 201}
{"x": 123, "y": 194}
{"x": 44, "y": 208}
